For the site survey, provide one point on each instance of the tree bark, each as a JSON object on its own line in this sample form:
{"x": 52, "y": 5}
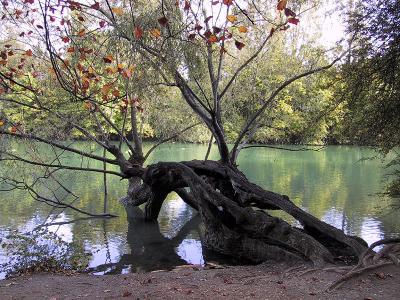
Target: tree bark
{"x": 227, "y": 203}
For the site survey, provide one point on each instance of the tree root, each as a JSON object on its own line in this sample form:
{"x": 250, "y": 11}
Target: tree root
{"x": 355, "y": 273}
{"x": 388, "y": 252}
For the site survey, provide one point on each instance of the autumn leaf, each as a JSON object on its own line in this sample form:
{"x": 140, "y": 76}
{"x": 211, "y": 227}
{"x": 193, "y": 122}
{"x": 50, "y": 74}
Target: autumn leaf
{"x": 281, "y": 5}
{"x": 289, "y": 13}
{"x": 126, "y": 73}
{"x": 28, "y": 52}
{"x": 187, "y": 5}
{"x": 163, "y": 21}
{"x": 29, "y": 1}
{"x": 239, "y": 45}
{"x": 138, "y": 32}
{"x": 111, "y": 70}
{"x": 155, "y": 32}
{"x": 106, "y": 88}
{"x": 88, "y": 105}
{"x": 108, "y": 59}
{"x": 294, "y": 21}
{"x": 227, "y": 2}
{"x": 102, "y": 23}
{"x": 231, "y": 18}
{"x": 115, "y": 93}
{"x": 1, "y": 121}
{"x": 85, "y": 83}
{"x": 96, "y": 5}
{"x": 213, "y": 38}
{"x": 118, "y": 11}
{"x": 243, "y": 29}
{"x": 81, "y": 32}
{"x": 13, "y": 129}
{"x": 65, "y": 39}
{"x": 120, "y": 67}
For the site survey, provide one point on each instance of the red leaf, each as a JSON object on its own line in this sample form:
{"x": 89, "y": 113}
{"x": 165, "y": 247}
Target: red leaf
{"x": 108, "y": 59}
{"x": 163, "y": 21}
{"x": 239, "y": 45}
{"x": 96, "y": 5}
{"x": 29, "y": 1}
{"x": 216, "y": 29}
{"x": 102, "y": 23}
{"x": 294, "y": 21}
{"x": 187, "y": 5}
{"x": 28, "y": 52}
{"x": 192, "y": 36}
{"x": 138, "y": 32}
{"x": 281, "y": 5}
{"x": 289, "y": 13}
{"x": 65, "y": 39}
{"x": 227, "y": 2}
{"x": 207, "y": 34}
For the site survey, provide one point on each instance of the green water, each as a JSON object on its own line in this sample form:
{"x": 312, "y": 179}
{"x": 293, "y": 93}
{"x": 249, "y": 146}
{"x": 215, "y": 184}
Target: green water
{"x": 332, "y": 184}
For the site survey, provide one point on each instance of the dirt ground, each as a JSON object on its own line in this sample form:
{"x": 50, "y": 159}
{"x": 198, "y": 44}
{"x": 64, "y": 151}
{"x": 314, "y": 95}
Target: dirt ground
{"x": 264, "y": 281}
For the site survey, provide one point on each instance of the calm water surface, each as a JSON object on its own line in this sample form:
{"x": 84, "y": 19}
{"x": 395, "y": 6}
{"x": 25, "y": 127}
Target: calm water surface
{"x": 333, "y": 184}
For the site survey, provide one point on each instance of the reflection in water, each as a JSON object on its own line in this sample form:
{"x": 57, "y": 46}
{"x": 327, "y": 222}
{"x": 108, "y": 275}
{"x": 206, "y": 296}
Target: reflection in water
{"x": 150, "y": 250}
{"x": 331, "y": 184}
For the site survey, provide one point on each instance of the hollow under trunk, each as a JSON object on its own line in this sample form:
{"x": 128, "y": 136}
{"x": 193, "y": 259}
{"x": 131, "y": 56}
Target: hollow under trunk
{"x": 235, "y": 214}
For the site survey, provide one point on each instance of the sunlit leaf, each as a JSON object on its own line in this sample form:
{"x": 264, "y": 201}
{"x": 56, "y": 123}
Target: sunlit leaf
{"x": 243, "y": 29}
{"x": 155, "y": 32}
{"x": 28, "y": 52}
{"x": 118, "y": 11}
{"x": 231, "y": 18}
{"x": 81, "y": 33}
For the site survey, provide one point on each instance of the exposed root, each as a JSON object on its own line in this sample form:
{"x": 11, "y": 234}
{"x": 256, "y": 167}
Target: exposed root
{"x": 371, "y": 260}
{"x": 355, "y": 273}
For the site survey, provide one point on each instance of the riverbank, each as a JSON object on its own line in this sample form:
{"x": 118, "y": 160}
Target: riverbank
{"x": 265, "y": 281}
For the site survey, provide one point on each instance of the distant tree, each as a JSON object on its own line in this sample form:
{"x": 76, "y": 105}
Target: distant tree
{"x": 100, "y": 54}
{"x": 372, "y": 78}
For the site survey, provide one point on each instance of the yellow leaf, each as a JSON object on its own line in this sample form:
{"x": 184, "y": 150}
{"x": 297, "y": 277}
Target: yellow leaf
{"x": 155, "y": 32}
{"x": 1, "y": 123}
{"x": 231, "y": 18}
{"x": 118, "y": 11}
{"x": 243, "y": 29}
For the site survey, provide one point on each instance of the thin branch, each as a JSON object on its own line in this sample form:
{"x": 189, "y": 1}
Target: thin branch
{"x": 168, "y": 139}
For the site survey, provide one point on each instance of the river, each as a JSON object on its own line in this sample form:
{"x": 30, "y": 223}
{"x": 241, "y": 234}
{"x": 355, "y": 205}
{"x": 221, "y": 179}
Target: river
{"x": 335, "y": 184}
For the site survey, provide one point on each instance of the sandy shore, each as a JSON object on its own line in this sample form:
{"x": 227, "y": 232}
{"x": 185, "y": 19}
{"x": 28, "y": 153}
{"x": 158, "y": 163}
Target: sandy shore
{"x": 266, "y": 281}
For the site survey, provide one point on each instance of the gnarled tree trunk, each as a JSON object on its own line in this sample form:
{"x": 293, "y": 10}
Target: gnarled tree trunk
{"x": 235, "y": 214}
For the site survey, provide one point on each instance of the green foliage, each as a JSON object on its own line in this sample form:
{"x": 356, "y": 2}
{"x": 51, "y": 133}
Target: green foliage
{"x": 41, "y": 251}
{"x": 371, "y": 76}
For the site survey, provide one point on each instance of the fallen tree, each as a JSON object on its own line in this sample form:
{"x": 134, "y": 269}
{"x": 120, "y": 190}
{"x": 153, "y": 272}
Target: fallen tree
{"x": 234, "y": 211}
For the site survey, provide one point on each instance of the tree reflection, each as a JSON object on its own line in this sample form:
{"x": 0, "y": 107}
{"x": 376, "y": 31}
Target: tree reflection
{"x": 150, "y": 250}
